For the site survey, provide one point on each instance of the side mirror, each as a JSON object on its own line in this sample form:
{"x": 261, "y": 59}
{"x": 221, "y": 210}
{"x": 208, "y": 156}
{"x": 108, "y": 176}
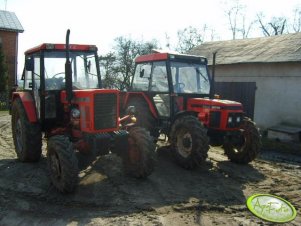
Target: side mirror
{"x": 29, "y": 64}
{"x": 89, "y": 66}
{"x": 142, "y": 73}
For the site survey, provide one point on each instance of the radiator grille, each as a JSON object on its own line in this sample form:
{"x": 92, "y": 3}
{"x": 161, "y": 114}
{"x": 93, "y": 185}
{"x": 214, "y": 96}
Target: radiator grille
{"x": 214, "y": 119}
{"x": 105, "y": 111}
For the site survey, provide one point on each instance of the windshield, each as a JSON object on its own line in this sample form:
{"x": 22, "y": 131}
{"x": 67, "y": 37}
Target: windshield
{"x": 190, "y": 78}
{"x": 84, "y": 70}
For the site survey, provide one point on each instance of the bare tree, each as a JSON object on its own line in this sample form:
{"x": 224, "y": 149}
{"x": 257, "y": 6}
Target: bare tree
{"x": 167, "y": 41}
{"x": 232, "y": 15}
{"x": 118, "y": 66}
{"x": 108, "y": 75}
{"x": 246, "y": 28}
{"x": 277, "y": 25}
{"x": 297, "y": 20}
{"x": 236, "y": 15}
{"x": 190, "y": 37}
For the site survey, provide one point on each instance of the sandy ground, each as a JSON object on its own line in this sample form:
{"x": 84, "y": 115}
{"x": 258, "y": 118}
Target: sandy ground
{"x": 214, "y": 194}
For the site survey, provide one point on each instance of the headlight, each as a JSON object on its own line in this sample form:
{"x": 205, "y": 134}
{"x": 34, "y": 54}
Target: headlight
{"x": 238, "y": 119}
{"x": 75, "y": 113}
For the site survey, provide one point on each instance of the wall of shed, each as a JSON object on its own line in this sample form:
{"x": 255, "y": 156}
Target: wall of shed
{"x": 278, "y": 94}
{"x": 10, "y": 45}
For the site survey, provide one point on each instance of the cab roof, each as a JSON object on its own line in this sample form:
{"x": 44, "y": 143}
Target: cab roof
{"x": 160, "y": 56}
{"x": 52, "y": 46}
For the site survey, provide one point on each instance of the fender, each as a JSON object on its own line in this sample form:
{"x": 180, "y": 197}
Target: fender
{"x": 28, "y": 104}
{"x": 182, "y": 113}
{"x": 129, "y": 95}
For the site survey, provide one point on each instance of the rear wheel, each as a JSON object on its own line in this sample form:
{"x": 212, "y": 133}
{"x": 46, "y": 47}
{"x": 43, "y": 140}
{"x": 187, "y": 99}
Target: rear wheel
{"x": 140, "y": 158}
{"x": 145, "y": 118}
{"x": 27, "y": 136}
{"x": 189, "y": 141}
{"x": 245, "y": 146}
{"x": 62, "y": 163}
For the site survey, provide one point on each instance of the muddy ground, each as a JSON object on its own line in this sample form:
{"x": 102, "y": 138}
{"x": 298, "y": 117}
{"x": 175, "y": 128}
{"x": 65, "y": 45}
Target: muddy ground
{"x": 214, "y": 194}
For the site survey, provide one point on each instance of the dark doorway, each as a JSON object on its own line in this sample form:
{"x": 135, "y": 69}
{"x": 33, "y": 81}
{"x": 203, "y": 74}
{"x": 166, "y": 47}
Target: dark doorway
{"x": 243, "y": 92}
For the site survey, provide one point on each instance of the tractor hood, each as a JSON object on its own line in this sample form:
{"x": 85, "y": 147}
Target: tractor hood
{"x": 214, "y": 104}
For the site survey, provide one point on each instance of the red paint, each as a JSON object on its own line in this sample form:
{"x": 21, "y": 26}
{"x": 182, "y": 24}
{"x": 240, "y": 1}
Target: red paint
{"x": 205, "y": 106}
{"x": 152, "y": 57}
{"x": 84, "y": 99}
{"x": 75, "y": 47}
{"x": 28, "y": 104}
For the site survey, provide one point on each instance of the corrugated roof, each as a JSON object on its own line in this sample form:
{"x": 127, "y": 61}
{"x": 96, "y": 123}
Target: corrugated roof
{"x": 280, "y": 48}
{"x": 10, "y": 22}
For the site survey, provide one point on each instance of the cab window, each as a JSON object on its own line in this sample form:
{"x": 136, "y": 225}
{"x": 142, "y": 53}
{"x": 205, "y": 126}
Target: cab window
{"x": 159, "y": 77}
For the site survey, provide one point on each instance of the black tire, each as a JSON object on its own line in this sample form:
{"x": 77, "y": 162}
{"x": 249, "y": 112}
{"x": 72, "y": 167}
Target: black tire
{"x": 189, "y": 141}
{"x": 139, "y": 160}
{"x": 246, "y": 146}
{"x": 27, "y": 136}
{"x": 62, "y": 163}
{"x": 144, "y": 116}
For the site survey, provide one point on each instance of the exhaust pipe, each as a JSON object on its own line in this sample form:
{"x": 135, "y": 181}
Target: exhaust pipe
{"x": 68, "y": 70}
{"x": 212, "y": 88}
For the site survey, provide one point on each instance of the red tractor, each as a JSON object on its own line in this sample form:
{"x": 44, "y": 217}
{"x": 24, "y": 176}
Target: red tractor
{"x": 172, "y": 94}
{"x": 62, "y": 99}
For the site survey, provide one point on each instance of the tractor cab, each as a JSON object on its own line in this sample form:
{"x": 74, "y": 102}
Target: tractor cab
{"x": 177, "y": 83}
{"x": 169, "y": 79}
{"x": 179, "y": 74}
{"x": 44, "y": 75}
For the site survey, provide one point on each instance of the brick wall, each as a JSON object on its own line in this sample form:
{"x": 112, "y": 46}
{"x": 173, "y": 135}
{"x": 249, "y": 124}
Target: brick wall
{"x": 9, "y": 45}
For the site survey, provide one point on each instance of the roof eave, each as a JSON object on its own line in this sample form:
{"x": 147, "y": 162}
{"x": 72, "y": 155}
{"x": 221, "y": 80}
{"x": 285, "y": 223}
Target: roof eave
{"x": 256, "y": 62}
{"x": 11, "y": 30}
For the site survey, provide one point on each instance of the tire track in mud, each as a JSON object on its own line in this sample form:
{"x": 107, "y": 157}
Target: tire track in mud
{"x": 6, "y": 142}
{"x": 215, "y": 192}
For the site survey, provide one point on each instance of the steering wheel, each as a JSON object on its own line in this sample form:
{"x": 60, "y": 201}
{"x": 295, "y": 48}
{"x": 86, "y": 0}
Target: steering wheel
{"x": 54, "y": 83}
{"x": 60, "y": 73}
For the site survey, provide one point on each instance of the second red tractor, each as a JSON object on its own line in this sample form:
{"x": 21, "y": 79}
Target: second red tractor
{"x": 173, "y": 95}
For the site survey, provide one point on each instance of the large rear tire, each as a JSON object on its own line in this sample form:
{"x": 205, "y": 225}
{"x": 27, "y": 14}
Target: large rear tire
{"x": 189, "y": 141}
{"x": 62, "y": 163}
{"x": 139, "y": 160}
{"x": 144, "y": 116}
{"x": 246, "y": 145}
{"x": 27, "y": 136}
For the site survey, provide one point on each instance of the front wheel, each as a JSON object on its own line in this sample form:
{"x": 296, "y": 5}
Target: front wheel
{"x": 62, "y": 163}
{"x": 189, "y": 141}
{"x": 27, "y": 136}
{"x": 139, "y": 159}
{"x": 243, "y": 147}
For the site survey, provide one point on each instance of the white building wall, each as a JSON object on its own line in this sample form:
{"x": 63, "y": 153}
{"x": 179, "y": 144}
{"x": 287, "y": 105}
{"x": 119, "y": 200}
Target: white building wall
{"x": 278, "y": 94}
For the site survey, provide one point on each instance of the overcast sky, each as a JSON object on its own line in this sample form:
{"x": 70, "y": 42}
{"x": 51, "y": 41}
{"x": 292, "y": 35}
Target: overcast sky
{"x": 99, "y": 22}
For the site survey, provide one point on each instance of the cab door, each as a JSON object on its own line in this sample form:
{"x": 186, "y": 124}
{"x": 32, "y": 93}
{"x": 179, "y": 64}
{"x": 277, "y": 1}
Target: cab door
{"x": 32, "y": 80}
{"x": 160, "y": 89}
